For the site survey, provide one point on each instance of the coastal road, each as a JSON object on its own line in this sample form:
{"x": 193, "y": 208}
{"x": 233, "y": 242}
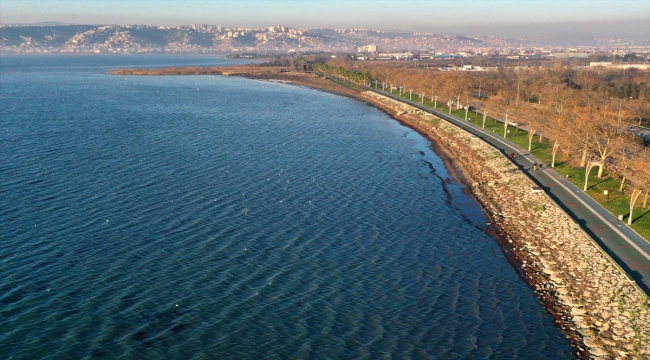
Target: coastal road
{"x": 625, "y": 246}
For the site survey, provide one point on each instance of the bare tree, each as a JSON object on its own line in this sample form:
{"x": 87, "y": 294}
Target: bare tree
{"x": 640, "y": 179}
{"x": 534, "y": 123}
{"x": 624, "y": 156}
{"x": 606, "y": 140}
{"x": 640, "y": 111}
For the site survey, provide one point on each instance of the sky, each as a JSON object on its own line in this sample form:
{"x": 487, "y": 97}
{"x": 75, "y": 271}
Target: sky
{"x": 509, "y": 18}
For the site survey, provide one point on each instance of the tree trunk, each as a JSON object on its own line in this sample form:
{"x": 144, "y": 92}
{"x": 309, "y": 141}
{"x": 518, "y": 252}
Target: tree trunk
{"x": 484, "y": 115}
{"x": 620, "y": 188}
{"x": 540, "y": 136}
{"x": 645, "y": 200}
{"x": 587, "y": 171}
{"x": 505, "y": 126}
{"x": 583, "y": 161}
{"x": 531, "y": 134}
{"x": 601, "y": 167}
{"x": 556, "y": 146}
{"x": 633, "y": 198}
{"x": 466, "y": 111}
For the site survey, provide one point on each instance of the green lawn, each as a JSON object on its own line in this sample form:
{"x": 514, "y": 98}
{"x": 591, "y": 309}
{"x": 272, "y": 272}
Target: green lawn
{"x": 346, "y": 84}
{"x": 618, "y": 202}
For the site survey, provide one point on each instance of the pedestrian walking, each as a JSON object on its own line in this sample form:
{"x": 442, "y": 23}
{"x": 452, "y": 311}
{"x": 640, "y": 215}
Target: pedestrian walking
{"x": 534, "y": 166}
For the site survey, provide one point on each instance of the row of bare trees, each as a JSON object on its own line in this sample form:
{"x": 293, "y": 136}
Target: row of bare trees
{"x": 581, "y": 112}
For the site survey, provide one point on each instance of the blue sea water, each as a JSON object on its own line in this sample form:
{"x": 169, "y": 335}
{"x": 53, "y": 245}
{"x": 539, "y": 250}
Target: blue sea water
{"x": 198, "y": 217}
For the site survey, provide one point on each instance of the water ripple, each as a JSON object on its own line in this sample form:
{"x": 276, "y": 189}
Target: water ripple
{"x": 145, "y": 219}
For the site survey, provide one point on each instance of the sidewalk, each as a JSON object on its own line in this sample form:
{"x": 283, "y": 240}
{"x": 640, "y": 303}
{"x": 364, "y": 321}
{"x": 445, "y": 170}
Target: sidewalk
{"x": 627, "y": 248}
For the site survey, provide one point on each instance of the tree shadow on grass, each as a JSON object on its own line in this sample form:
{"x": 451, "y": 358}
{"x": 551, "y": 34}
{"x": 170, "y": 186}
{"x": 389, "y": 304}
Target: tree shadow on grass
{"x": 620, "y": 195}
{"x": 598, "y": 183}
{"x": 643, "y": 214}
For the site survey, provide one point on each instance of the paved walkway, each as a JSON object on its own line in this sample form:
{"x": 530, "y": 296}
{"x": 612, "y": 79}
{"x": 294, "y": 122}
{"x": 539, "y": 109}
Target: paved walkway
{"x": 621, "y": 243}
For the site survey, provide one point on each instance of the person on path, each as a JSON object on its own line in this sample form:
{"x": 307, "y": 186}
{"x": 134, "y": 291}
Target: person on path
{"x": 534, "y": 166}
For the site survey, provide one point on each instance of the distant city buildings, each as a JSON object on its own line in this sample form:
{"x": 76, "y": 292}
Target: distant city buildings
{"x": 204, "y": 27}
{"x": 369, "y": 44}
{"x": 367, "y": 49}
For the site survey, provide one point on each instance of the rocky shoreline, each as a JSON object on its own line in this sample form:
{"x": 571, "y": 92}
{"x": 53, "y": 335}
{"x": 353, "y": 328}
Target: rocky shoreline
{"x": 603, "y": 314}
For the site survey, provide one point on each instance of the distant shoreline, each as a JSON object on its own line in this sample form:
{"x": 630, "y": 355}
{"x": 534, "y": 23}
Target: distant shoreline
{"x": 242, "y": 70}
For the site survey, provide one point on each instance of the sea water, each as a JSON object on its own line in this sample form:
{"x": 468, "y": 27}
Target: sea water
{"x": 199, "y": 217}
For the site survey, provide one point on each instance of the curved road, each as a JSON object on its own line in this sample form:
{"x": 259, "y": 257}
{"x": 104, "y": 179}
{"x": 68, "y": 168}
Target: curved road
{"x": 626, "y": 247}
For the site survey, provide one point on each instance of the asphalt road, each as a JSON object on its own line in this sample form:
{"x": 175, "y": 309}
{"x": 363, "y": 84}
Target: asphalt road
{"x": 626, "y": 247}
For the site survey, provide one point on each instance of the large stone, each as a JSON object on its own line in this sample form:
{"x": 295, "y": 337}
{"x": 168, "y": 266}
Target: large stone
{"x": 589, "y": 342}
{"x": 577, "y": 311}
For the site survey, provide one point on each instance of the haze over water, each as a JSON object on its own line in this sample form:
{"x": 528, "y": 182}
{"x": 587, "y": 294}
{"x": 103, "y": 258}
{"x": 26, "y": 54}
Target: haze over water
{"x": 221, "y": 217}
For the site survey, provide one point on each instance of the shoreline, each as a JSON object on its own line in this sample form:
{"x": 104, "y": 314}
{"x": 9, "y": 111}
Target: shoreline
{"x": 603, "y": 320}
{"x": 516, "y": 258}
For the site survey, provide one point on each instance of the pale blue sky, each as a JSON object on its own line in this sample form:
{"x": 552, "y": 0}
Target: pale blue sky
{"x": 320, "y": 13}
{"x": 479, "y": 17}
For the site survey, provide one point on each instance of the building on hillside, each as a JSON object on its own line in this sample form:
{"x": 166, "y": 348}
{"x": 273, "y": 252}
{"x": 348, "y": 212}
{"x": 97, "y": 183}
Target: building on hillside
{"x": 620, "y": 66}
{"x": 367, "y": 49}
{"x": 568, "y": 55}
{"x": 600, "y": 63}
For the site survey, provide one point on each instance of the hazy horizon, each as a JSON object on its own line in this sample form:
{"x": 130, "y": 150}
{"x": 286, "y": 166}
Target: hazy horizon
{"x": 575, "y": 22}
